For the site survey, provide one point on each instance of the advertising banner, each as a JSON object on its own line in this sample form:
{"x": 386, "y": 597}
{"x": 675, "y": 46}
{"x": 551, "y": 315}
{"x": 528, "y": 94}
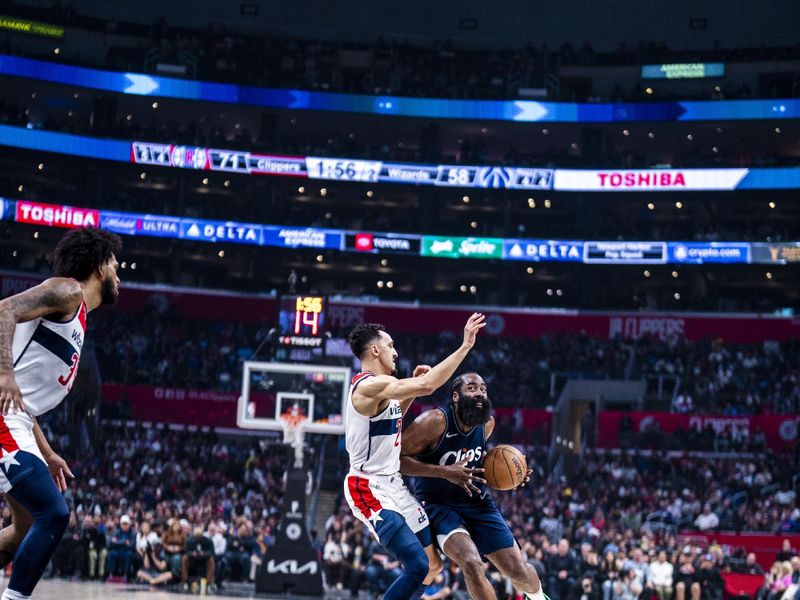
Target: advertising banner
{"x": 780, "y": 431}
{"x": 302, "y": 237}
{"x": 179, "y": 405}
{"x": 780, "y": 253}
{"x": 462, "y": 247}
{"x": 406, "y": 318}
{"x": 648, "y": 180}
{"x": 698, "y": 253}
{"x": 543, "y": 250}
{"x": 380, "y": 243}
{"x": 55, "y": 215}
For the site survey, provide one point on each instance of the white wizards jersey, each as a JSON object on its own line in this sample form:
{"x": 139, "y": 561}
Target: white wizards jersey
{"x": 46, "y": 355}
{"x": 373, "y": 443}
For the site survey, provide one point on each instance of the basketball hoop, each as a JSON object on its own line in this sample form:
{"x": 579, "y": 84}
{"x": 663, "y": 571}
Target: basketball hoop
{"x": 292, "y": 422}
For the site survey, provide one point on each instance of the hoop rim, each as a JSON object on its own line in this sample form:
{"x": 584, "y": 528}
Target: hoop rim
{"x": 291, "y": 421}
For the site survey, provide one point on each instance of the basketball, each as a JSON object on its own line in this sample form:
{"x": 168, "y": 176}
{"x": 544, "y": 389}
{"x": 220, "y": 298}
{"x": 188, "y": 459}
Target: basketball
{"x": 504, "y": 467}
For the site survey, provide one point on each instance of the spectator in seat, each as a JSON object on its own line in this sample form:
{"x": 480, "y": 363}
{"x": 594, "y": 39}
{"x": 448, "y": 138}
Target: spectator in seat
{"x": 589, "y": 589}
{"x": 438, "y": 589}
{"x": 778, "y": 581}
{"x": 685, "y": 580}
{"x": 236, "y": 560}
{"x": 217, "y": 533}
{"x": 787, "y": 552}
{"x": 335, "y": 568}
{"x": 562, "y": 571}
{"x": 174, "y": 542}
{"x": 626, "y": 587}
{"x": 122, "y": 549}
{"x": 751, "y": 566}
{"x": 70, "y": 556}
{"x": 660, "y": 576}
{"x": 710, "y": 579}
{"x": 381, "y": 570}
{"x": 706, "y": 520}
{"x": 94, "y": 540}
{"x": 198, "y": 559}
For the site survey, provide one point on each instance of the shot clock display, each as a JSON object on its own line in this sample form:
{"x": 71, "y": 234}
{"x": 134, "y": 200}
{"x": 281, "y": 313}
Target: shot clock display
{"x": 301, "y": 321}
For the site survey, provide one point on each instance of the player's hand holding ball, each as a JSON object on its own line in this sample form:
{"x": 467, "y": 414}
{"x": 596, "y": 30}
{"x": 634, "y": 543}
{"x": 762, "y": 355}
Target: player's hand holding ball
{"x": 505, "y": 468}
{"x": 464, "y": 477}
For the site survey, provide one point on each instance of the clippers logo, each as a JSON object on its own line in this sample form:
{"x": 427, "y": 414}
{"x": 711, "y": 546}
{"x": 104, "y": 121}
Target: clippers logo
{"x": 454, "y": 456}
{"x": 364, "y": 242}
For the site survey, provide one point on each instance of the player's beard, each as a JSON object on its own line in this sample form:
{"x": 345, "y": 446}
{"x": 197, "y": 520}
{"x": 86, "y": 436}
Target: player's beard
{"x": 108, "y": 294}
{"x": 470, "y": 414}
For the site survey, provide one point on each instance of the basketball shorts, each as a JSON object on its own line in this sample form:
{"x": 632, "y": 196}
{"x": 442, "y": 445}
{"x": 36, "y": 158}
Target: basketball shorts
{"x": 18, "y": 449}
{"x": 481, "y": 521}
{"x": 385, "y": 505}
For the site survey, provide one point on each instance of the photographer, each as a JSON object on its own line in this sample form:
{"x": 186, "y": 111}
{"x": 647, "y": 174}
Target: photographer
{"x": 198, "y": 560}
{"x": 155, "y": 569}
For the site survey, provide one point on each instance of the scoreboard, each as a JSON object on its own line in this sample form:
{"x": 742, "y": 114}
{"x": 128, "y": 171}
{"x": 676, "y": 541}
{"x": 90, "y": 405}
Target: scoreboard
{"x": 302, "y": 327}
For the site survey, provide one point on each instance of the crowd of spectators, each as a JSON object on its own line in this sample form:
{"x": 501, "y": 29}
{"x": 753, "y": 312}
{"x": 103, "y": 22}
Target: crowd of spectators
{"x": 612, "y": 532}
{"x": 162, "y": 506}
{"x": 731, "y": 380}
{"x": 166, "y": 349}
{"x": 385, "y": 66}
{"x": 174, "y": 508}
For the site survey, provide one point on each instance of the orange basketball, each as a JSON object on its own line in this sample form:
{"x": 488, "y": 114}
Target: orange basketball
{"x": 505, "y": 467}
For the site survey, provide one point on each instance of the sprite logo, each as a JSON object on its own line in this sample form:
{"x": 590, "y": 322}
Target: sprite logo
{"x": 460, "y": 247}
{"x": 481, "y": 248}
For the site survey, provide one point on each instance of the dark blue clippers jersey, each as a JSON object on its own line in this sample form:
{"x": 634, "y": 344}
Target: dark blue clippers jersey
{"x": 453, "y": 446}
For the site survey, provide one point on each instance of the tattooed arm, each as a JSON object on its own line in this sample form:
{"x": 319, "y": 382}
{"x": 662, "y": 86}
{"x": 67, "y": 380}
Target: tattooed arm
{"x": 54, "y": 297}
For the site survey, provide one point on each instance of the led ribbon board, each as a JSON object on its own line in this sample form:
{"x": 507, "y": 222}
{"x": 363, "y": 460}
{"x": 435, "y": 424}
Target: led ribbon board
{"x": 513, "y": 249}
{"x": 141, "y": 84}
{"x": 344, "y": 169}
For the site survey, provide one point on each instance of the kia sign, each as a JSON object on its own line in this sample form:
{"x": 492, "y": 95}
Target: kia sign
{"x": 379, "y": 243}
{"x": 648, "y": 180}
{"x": 55, "y": 215}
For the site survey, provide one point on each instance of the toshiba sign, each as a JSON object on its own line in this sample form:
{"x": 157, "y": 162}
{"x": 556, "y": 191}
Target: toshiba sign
{"x": 55, "y": 215}
{"x": 649, "y": 180}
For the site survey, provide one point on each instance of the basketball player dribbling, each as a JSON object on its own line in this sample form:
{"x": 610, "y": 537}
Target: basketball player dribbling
{"x": 444, "y": 449}
{"x": 42, "y": 331}
{"x": 374, "y": 488}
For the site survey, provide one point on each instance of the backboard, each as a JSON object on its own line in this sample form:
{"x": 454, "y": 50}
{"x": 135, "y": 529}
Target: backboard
{"x": 271, "y": 391}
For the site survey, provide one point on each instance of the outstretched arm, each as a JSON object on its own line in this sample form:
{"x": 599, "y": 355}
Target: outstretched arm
{"x": 55, "y": 296}
{"x": 373, "y": 393}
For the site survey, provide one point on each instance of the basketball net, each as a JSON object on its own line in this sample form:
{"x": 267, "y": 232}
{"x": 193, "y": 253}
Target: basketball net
{"x": 292, "y": 421}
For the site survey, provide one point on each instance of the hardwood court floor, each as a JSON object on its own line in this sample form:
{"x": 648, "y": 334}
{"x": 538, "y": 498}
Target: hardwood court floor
{"x": 60, "y": 589}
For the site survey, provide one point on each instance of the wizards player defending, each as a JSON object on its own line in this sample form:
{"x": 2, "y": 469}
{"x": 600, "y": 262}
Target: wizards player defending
{"x": 444, "y": 449}
{"x": 42, "y": 331}
{"x": 374, "y": 488}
